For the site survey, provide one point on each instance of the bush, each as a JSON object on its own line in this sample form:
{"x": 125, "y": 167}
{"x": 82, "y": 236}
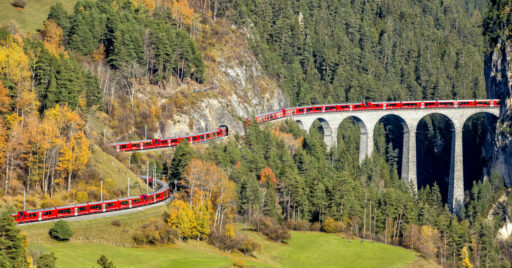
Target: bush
{"x": 19, "y": 3}
{"x": 155, "y": 232}
{"x": 332, "y": 226}
{"x": 61, "y": 231}
{"x": 238, "y": 262}
{"x": 81, "y": 197}
{"x": 249, "y": 246}
{"x": 221, "y": 240}
{"x": 46, "y": 261}
{"x": 116, "y": 223}
{"x": 269, "y": 227}
{"x": 104, "y": 262}
{"x": 315, "y": 227}
{"x": 302, "y": 225}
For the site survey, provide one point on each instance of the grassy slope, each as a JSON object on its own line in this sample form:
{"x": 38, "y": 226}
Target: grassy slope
{"x": 32, "y": 16}
{"x": 110, "y": 168}
{"x": 306, "y": 249}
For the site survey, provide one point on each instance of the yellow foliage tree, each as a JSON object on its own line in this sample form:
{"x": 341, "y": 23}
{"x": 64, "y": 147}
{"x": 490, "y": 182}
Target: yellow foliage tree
{"x": 182, "y": 218}
{"x": 429, "y": 239}
{"x": 182, "y": 12}
{"x": 14, "y": 63}
{"x": 464, "y": 256}
{"x": 230, "y": 231}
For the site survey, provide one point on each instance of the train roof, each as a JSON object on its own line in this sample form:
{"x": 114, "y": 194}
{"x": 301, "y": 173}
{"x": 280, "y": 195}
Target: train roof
{"x": 180, "y": 137}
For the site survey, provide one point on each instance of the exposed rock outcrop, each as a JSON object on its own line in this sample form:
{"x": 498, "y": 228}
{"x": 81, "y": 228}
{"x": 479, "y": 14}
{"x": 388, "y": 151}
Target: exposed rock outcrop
{"x": 240, "y": 89}
{"x": 498, "y": 77}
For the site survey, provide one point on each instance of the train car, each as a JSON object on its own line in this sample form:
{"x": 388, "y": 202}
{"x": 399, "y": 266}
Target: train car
{"x": 159, "y": 195}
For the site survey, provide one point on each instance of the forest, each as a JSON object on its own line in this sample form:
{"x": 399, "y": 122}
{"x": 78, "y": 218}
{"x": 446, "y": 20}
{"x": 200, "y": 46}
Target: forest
{"x": 82, "y": 72}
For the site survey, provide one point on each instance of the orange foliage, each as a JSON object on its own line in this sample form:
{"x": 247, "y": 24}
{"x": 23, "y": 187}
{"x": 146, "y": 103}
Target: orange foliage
{"x": 267, "y": 174}
{"x": 4, "y": 98}
{"x": 52, "y": 36}
{"x": 99, "y": 54}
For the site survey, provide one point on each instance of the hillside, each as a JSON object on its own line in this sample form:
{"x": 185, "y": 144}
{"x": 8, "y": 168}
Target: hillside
{"x": 32, "y": 16}
{"x": 305, "y": 249}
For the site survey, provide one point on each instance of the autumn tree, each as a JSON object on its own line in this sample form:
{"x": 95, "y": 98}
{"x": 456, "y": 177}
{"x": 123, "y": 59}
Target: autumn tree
{"x": 4, "y": 98}
{"x": 52, "y": 36}
{"x": 182, "y": 12}
{"x": 14, "y": 63}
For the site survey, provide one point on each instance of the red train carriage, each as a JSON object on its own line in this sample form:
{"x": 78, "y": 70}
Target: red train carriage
{"x": 95, "y": 207}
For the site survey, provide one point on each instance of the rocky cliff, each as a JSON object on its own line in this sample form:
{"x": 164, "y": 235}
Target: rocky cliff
{"x": 498, "y": 77}
{"x": 236, "y": 87}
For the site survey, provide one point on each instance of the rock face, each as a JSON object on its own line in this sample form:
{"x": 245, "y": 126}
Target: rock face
{"x": 498, "y": 78}
{"x": 239, "y": 88}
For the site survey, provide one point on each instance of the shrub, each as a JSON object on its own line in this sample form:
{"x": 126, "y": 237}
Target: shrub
{"x": 104, "y": 262}
{"x": 249, "y": 246}
{"x": 238, "y": 262}
{"x": 332, "y": 226}
{"x": 61, "y": 231}
{"x": 46, "y": 261}
{"x": 81, "y": 197}
{"x": 116, "y": 223}
{"x": 19, "y": 3}
{"x": 315, "y": 227}
{"x": 302, "y": 225}
{"x": 269, "y": 227}
{"x": 155, "y": 232}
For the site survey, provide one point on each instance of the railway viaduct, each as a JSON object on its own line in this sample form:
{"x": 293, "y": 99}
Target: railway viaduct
{"x": 409, "y": 118}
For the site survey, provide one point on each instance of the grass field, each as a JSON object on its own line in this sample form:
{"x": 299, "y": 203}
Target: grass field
{"x": 305, "y": 249}
{"x": 32, "y": 16}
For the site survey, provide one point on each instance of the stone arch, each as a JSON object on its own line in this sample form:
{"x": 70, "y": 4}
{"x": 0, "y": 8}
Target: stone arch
{"x": 327, "y": 131}
{"x": 477, "y": 131}
{"x": 440, "y": 157}
{"x": 401, "y": 143}
{"x": 301, "y": 125}
{"x": 363, "y": 137}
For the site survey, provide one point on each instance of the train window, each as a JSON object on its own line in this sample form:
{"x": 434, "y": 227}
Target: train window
{"x": 109, "y": 205}
{"x": 318, "y": 108}
{"x": 194, "y": 138}
{"x": 483, "y": 103}
{"x": 309, "y": 109}
{"x": 464, "y": 103}
{"x": 46, "y": 213}
{"x": 345, "y": 107}
{"x": 136, "y": 145}
{"x": 124, "y": 203}
{"x": 158, "y": 195}
{"x": 135, "y": 201}
{"x": 80, "y": 209}
{"x": 97, "y": 207}
{"x": 64, "y": 211}
{"x": 410, "y": 105}
{"x": 174, "y": 140}
{"x": 357, "y": 106}
{"x": 148, "y": 143}
{"x": 392, "y": 105}
{"x": 123, "y": 146}
{"x": 301, "y": 110}
{"x": 163, "y": 142}
{"x": 32, "y": 215}
{"x": 446, "y": 103}
{"x": 430, "y": 104}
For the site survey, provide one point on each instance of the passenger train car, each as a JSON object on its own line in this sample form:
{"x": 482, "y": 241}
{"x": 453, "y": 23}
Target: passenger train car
{"x": 43, "y": 214}
{"x": 374, "y": 106}
{"x": 170, "y": 142}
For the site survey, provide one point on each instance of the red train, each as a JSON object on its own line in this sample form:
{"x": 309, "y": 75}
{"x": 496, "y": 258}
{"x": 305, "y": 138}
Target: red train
{"x": 43, "y": 214}
{"x": 375, "y": 106}
{"x": 170, "y": 142}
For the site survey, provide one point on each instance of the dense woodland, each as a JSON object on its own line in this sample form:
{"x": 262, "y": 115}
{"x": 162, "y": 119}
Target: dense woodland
{"x": 90, "y": 63}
